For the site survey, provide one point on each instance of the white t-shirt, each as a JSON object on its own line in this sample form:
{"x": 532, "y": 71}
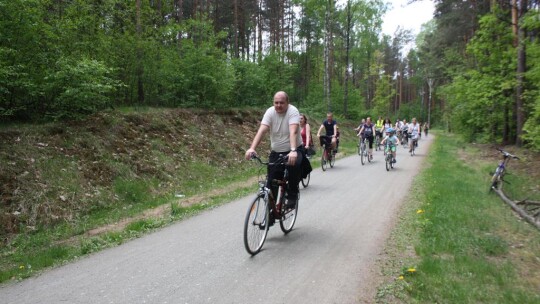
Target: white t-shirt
{"x": 279, "y": 127}
{"x": 414, "y": 129}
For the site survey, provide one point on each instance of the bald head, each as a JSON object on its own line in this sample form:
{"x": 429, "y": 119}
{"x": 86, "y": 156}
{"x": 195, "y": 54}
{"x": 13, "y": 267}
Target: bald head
{"x": 281, "y": 102}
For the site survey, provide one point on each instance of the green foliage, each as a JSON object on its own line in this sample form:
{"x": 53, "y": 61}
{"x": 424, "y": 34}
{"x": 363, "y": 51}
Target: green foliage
{"x": 250, "y": 87}
{"x": 79, "y": 87}
{"x": 384, "y": 95}
{"x": 482, "y": 96}
{"x": 532, "y": 94}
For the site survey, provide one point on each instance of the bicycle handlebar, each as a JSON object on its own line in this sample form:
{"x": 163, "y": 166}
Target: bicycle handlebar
{"x": 282, "y": 160}
{"x": 506, "y": 154}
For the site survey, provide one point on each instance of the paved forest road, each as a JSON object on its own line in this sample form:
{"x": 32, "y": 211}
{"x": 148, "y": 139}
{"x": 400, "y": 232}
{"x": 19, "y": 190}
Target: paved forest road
{"x": 345, "y": 216}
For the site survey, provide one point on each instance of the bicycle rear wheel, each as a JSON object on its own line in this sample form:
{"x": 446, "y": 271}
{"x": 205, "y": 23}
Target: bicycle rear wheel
{"x": 288, "y": 217}
{"x": 324, "y": 158}
{"x": 332, "y": 155}
{"x": 256, "y": 225}
{"x": 305, "y": 181}
{"x": 362, "y": 153}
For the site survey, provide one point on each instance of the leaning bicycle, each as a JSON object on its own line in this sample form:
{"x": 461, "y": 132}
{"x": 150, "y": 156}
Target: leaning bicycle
{"x": 498, "y": 176}
{"x": 268, "y": 205}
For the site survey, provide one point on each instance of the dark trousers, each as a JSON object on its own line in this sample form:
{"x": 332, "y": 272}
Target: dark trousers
{"x": 277, "y": 171}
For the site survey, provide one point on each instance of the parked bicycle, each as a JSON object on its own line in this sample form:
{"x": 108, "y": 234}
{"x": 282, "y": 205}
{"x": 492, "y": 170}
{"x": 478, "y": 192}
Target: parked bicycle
{"x": 328, "y": 156}
{"x": 268, "y": 205}
{"x": 498, "y": 176}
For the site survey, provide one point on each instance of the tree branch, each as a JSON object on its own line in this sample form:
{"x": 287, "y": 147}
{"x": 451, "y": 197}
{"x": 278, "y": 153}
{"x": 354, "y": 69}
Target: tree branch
{"x": 531, "y": 219}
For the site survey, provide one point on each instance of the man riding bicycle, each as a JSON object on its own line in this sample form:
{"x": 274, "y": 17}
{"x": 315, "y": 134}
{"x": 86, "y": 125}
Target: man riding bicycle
{"x": 282, "y": 121}
{"x": 330, "y": 126}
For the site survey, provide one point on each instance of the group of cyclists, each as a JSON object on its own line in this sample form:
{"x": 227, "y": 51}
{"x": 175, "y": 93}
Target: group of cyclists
{"x": 383, "y": 131}
{"x": 290, "y": 137}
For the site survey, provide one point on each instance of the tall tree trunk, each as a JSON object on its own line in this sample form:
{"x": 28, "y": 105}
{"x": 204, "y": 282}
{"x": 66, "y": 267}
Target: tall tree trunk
{"x": 347, "y": 51}
{"x": 179, "y": 17}
{"x": 521, "y": 69}
{"x": 236, "y": 30}
{"x": 515, "y": 21}
{"x": 140, "y": 68}
{"x": 327, "y": 46}
{"x": 259, "y": 30}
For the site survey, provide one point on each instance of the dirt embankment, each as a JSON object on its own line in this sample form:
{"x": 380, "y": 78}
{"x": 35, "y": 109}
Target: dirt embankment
{"x": 61, "y": 172}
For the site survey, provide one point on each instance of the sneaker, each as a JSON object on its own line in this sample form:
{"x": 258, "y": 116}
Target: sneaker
{"x": 394, "y": 161}
{"x": 371, "y": 157}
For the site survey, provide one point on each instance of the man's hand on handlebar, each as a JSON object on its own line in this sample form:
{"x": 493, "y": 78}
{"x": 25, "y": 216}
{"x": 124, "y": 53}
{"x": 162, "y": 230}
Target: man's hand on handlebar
{"x": 250, "y": 154}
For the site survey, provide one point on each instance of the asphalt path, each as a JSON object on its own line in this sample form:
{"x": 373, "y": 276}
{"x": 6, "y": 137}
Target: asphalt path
{"x": 344, "y": 218}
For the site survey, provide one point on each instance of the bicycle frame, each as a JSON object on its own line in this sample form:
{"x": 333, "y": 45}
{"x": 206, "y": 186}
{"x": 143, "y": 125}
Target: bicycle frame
{"x": 280, "y": 184}
{"x": 500, "y": 170}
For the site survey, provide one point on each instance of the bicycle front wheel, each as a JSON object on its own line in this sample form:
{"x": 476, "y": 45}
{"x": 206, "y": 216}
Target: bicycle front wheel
{"x": 288, "y": 218}
{"x": 324, "y": 159}
{"x": 256, "y": 225}
{"x": 332, "y": 158}
{"x": 388, "y": 162}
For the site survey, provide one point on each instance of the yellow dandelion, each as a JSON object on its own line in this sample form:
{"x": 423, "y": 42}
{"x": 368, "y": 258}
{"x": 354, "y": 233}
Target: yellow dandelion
{"x": 411, "y": 270}
{"x": 21, "y": 267}
{"x": 401, "y": 277}
{"x": 419, "y": 211}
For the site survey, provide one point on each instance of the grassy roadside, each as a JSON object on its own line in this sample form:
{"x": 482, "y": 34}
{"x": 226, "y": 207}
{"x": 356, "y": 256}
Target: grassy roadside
{"x": 454, "y": 242}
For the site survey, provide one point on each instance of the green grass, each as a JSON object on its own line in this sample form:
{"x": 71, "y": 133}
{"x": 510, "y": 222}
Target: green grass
{"x": 45, "y": 248}
{"x": 458, "y": 238}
